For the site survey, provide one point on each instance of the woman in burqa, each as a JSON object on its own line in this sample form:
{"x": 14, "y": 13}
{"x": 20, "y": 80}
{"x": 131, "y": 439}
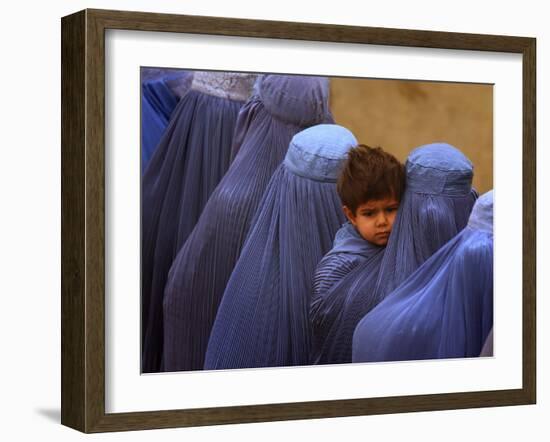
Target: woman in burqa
{"x": 262, "y": 320}
{"x": 190, "y": 160}
{"x": 445, "y": 308}
{"x": 349, "y": 251}
{"x": 161, "y": 90}
{"x": 435, "y": 207}
{"x": 282, "y": 106}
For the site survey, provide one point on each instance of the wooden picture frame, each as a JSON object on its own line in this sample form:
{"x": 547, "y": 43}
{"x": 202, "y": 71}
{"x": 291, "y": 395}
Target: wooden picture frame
{"x": 83, "y": 220}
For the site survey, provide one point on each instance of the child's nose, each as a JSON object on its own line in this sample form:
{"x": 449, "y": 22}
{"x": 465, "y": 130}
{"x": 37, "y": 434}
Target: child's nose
{"x": 382, "y": 219}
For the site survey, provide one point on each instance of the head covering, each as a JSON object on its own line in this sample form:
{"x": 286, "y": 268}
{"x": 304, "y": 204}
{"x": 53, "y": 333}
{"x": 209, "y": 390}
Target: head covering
{"x": 263, "y": 317}
{"x": 191, "y": 158}
{"x": 158, "y": 100}
{"x": 204, "y": 264}
{"x": 234, "y": 86}
{"x": 444, "y": 309}
{"x": 285, "y": 99}
{"x": 298, "y": 101}
{"x": 435, "y": 206}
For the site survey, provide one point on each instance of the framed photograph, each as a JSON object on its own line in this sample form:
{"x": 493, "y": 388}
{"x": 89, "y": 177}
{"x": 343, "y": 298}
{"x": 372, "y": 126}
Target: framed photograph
{"x": 193, "y": 286}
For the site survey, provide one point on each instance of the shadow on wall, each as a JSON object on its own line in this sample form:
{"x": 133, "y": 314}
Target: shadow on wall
{"x": 400, "y": 115}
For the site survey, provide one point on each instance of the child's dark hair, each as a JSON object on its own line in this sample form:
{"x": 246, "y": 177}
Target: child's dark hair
{"x": 369, "y": 173}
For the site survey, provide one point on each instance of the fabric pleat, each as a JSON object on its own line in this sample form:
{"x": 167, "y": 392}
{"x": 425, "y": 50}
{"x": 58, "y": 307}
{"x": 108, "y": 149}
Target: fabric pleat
{"x": 435, "y": 207}
{"x": 443, "y": 310}
{"x": 335, "y": 314}
{"x": 424, "y": 222}
{"x": 348, "y": 252}
{"x": 262, "y": 321}
{"x": 158, "y": 101}
{"x": 192, "y": 157}
{"x": 263, "y": 317}
{"x": 203, "y": 266}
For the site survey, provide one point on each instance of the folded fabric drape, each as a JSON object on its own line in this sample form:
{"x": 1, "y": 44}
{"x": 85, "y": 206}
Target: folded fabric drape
{"x": 435, "y": 206}
{"x": 349, "y": 250}
{"x": 158, "y": 100}
{"x": 190, "y": 160}
{"x": 280, "y": 108}
{"x": 262, "y": 320}
{"x": 444, "y": 309}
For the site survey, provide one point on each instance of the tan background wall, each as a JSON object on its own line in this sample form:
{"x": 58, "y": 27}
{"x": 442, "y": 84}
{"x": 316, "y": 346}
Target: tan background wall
{"x": 401, "y": 115}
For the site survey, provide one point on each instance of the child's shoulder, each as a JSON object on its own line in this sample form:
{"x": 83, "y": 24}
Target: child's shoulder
{"x": 348, "y": 241}
{"x": 332, "y": 268}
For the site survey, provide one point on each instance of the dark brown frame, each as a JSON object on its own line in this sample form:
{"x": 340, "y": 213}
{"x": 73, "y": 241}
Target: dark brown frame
{"x": 83, "y": 218}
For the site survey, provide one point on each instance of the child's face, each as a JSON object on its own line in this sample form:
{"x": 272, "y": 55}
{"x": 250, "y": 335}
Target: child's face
{"x": 374, "y": 219}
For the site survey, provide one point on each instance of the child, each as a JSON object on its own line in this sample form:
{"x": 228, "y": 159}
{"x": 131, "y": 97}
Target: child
{"x": 444, "y": 309}
{"x": 262, "y": 320}
{"x": 434, "y": 207}
{"x": 282, "y": 106}
{"x": 370, "y": 186}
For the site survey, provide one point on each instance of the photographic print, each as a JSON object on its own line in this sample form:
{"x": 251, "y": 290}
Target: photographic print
{"x": 253, "y": 209}
{"x": 295, "y": 220}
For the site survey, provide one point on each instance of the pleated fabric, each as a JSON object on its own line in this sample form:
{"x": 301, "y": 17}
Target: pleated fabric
{"x": 444, "y": 309}
{"x": 435, "y": 207}
{"x": 203, "y": 266}
{"x": 160, "y": 93}
{"x": 262, "y": 320}
{"x": 192, "y": 157}
{"x": 348, "y": 251}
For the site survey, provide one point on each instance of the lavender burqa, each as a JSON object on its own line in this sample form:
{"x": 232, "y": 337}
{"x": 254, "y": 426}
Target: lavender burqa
{"x": 192, "y": 157}
{"x": 263, "y": 318}
{"x": 445, "y": 308}
{"x": 161, "y": 90}
{"x": 282, "y": 106}
{"x": 435, "y": 207}
{"x": 349, "y": 251}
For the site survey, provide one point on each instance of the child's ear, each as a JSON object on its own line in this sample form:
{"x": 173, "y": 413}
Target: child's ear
{"x": 349, "y": 214}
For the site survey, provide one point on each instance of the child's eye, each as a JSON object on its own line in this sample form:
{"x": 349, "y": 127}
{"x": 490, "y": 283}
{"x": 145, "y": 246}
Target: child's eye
{"x": 368, "y": 213}
{"x": 391, "y": 209}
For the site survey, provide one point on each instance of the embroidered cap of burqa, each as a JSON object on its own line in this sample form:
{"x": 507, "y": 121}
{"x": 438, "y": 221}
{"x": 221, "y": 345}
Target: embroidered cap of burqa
{"x": 263, "y": 317}
{"x": 192, "y": 157}
{"x": 435, "y": 207}
{"x": 445, "y": 308}
{"x": 282, "y": 106}
{"x": 161, "y": 90}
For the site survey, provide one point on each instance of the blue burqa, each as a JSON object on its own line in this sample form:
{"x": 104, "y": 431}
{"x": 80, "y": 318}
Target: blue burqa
{"x": 160, "y": 93}
{"x": 282, "y": 106}
{"x": 349, "y": 251}
{"x": 444, "y": 309}
{"x": 192, "y": 157}
{"x": 262, "y": 320}
{"x": 434, "y": 208}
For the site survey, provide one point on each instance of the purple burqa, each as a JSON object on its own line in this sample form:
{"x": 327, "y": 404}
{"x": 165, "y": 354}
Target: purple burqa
{"x": 192, "y": 157}
{"x": 262, "y": 320}
{"x": 435, "y": 207}
{"x": 161, "y": 89}
{"x": 282, "y": 106}
{"x": 444, "y": 309}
